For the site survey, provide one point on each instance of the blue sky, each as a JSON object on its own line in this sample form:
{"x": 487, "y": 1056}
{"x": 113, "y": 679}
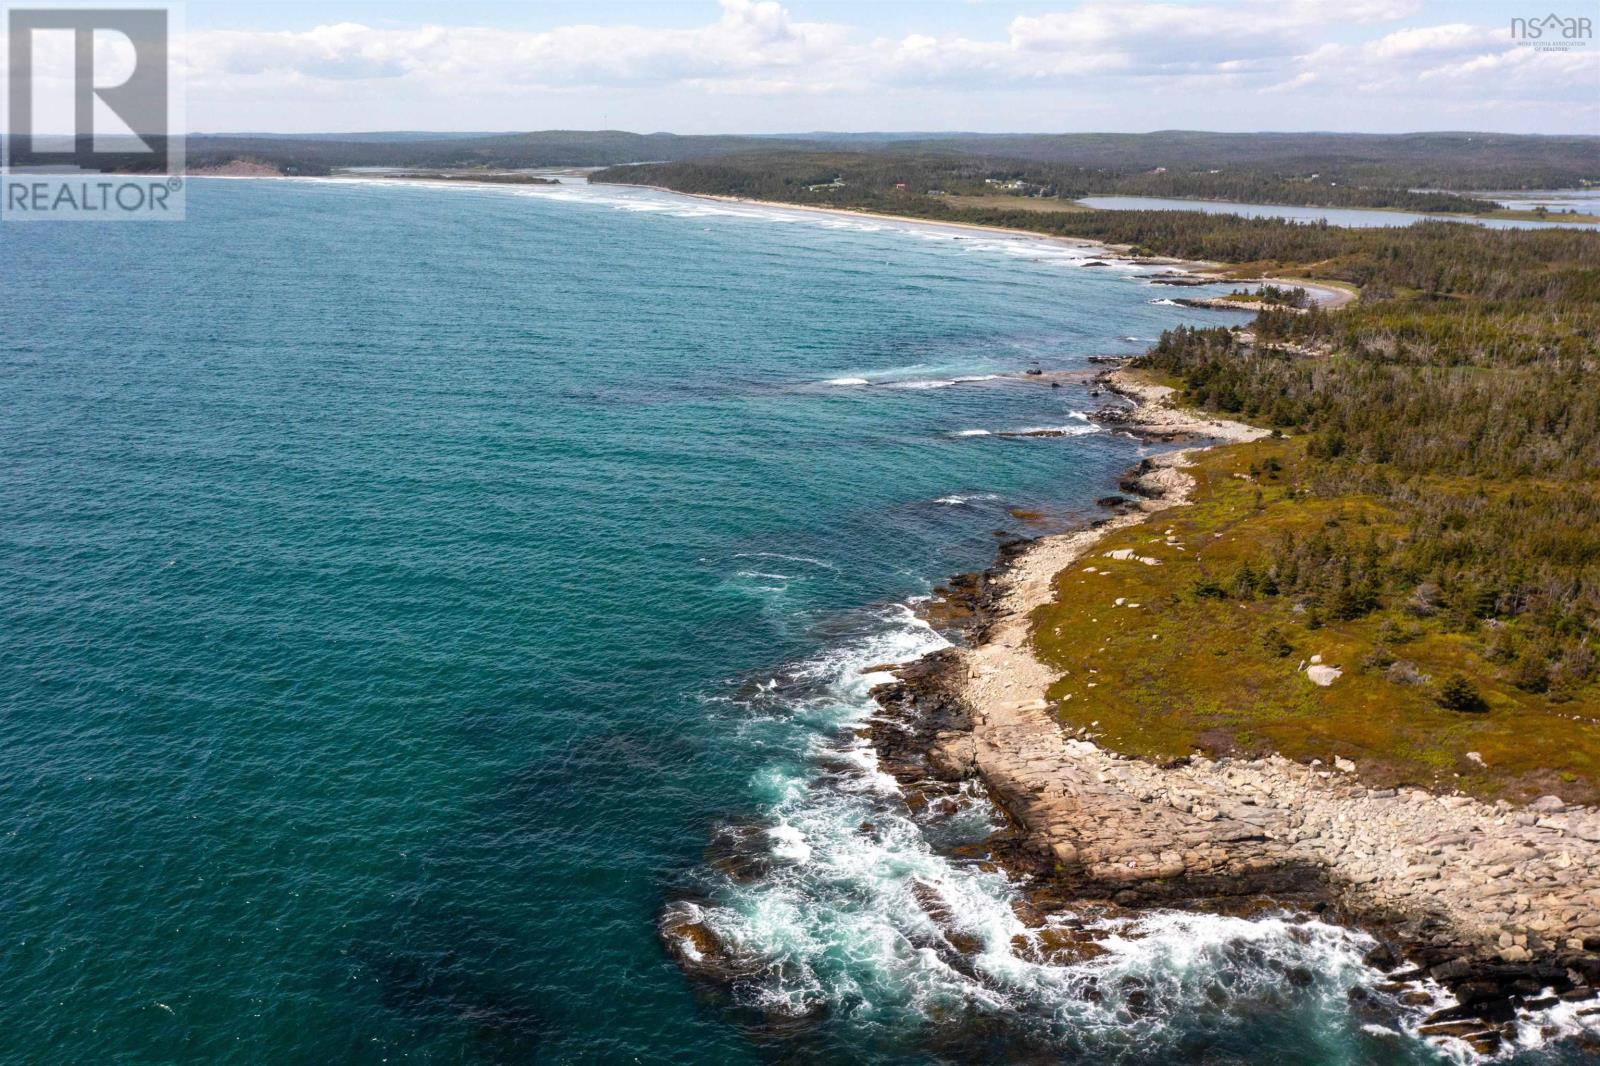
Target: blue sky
{"x": 768, "y": 67}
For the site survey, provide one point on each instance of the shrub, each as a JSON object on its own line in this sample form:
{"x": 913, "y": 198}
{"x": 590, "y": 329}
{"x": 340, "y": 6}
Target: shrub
{"x": 1458, "y": 694}
{"x": 1276, "y": 644}
{"x": 1379, "y": 658}
{"x": 1532, "y": 672}
{"x": 1391, "y": 632}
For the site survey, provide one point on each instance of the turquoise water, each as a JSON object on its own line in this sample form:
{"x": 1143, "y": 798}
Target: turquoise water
{"x": 400, "y": 588}
{"x": 1361, "y": 218}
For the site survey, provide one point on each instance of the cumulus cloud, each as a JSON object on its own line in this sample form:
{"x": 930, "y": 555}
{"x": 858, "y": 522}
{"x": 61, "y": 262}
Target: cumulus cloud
{"x": 750, "y": 40}
{"x": 759, "y": 45}
{"x": 1145, "y": 55}
{"x": 1435, "y": 40}
{"x": 1475, "y": 63}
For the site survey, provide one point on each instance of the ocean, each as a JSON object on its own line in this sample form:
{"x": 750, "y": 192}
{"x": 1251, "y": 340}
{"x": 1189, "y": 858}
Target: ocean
{"x": 407, "y": 593}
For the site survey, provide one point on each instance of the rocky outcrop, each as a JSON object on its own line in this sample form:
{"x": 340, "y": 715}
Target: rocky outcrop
{"x": 1500, "y": 904}
{"x": 1154, "y": 414}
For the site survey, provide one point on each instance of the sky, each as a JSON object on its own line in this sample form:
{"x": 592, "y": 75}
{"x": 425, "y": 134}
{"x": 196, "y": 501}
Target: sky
{"x": 776, "y": 66}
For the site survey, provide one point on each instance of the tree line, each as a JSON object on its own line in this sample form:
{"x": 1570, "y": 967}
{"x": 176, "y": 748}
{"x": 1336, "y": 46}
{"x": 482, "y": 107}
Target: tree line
{"x": 1460, "y": 393}
{"x": 874, "y": 179}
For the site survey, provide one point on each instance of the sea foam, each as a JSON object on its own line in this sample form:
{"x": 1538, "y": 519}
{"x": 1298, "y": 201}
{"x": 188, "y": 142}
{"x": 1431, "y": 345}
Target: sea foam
{"x": 861, "y": 920}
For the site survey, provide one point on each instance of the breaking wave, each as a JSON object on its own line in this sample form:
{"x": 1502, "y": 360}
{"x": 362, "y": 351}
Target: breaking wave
{"x": 847, "y": 909}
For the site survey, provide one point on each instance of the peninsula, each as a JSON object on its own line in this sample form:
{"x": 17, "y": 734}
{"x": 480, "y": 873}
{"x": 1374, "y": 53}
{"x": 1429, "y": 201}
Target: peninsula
{"x": 1344, "y": 660}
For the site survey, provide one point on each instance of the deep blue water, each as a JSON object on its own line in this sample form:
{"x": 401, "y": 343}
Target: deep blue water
{"x": 401, "y": 586}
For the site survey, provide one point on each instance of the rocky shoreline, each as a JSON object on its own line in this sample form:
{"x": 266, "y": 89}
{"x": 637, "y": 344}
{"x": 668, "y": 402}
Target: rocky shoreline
{"x": 1498, "y": 906}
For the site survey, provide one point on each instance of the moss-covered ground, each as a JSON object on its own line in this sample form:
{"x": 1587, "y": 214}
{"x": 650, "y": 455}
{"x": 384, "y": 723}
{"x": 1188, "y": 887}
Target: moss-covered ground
{"x": 1170, "y": 670}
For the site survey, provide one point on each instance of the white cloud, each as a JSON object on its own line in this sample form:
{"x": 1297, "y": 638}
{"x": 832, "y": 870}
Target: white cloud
{"x": 1431, "y": 40}
{"x": 1476, "y": 63}
{"x": 751, "y": 38}
{"x": 1140, "y": 64}
{"x": 759, "y": 45}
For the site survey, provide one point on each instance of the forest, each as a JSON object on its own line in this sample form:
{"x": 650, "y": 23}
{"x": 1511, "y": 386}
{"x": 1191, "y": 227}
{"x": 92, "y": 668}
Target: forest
{"x": 872, "y": 180}
{"x": 1275, "y": 164}
{"x": 1419, "y": 172}
{"x": 1460, "y": 392}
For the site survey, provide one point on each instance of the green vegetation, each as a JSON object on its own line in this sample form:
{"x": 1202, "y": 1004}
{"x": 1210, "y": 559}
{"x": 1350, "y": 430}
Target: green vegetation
{"x": 1317, "y": 168}
{"x": 1431, "y": 523}
{"x": 1273, "y": 296}
{"x": 1543, "y": 214}
{"x": 1208, "y": 649}
{"x": 1458, "y": 694}
{"x": 1468, "y": 406}
{"x": 316, "y": 155}
{"x": 1428, "y": 520}
{"x": 1453, "y": 161}
{"x": 892, "y": 181}
{"x": 491, "y": 177}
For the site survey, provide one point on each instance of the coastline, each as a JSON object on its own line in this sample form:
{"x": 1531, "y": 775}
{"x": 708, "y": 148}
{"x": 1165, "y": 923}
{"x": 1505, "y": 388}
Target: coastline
{"x": 1461, "y": 888}
{"x": 1484, "y": 913}
{"x": 1329, "y": 295}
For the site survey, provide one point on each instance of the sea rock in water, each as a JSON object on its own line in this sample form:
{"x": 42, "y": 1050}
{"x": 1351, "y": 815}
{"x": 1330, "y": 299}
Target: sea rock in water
{"x": 1055, "y": 946}
{"x": 692, "y": 942}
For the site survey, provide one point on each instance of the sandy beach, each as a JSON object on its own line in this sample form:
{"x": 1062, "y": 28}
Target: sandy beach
{"x": 1328, "y": 295}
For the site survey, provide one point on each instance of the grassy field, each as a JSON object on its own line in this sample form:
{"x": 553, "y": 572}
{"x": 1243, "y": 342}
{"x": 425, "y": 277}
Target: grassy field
{"x": 1519, "y": 215}
{"x": 1041, "y": 204}
{"x": 1183, "y": 664}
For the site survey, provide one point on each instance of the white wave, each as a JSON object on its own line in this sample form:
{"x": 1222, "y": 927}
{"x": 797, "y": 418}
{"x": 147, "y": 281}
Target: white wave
{"x": 860, "y": 917}
{"x": 789, "y": 843}
{"x": 676, "y": 205}
{"x": 921, "y": 383}
{"x": 1065, "y": 431}
{"x": 939, "y": 383}
{"x": 1563, "y": 1021}
{"x": 955, "y": 500}
{"x": 973, "y": 433}
{"x": 809, "y": 560}
{"x": 1530, "y": 1029}
{"x": 1165, "y": 302}
{"x": 763, "y": 583}
{"x": 847, "y": 381}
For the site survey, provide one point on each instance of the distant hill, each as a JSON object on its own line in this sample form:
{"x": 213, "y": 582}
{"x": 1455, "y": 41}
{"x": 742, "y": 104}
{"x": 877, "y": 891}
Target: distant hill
{"x": 317, "y": 154}
{"x": 1443, "y": 160}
